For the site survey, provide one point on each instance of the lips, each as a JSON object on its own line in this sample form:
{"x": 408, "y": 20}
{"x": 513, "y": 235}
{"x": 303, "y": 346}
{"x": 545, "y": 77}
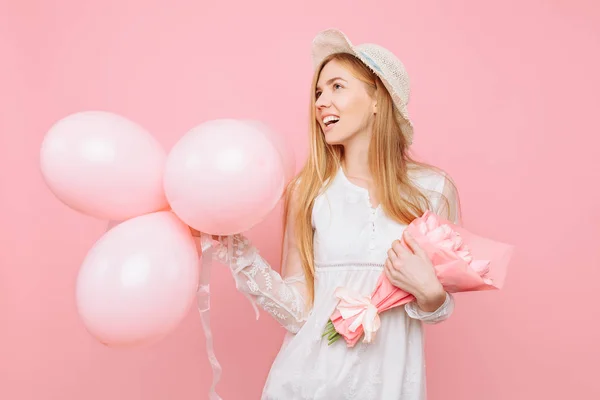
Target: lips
{"x": 329, "y": 127}
{"x": 330, "y": 120}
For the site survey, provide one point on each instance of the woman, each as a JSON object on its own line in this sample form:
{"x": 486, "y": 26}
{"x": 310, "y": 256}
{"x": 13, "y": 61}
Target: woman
{"x": 345, "y": 212}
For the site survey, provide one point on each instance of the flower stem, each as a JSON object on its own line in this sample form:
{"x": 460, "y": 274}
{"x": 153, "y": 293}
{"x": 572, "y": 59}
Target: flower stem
{"x": 332, "y": 335}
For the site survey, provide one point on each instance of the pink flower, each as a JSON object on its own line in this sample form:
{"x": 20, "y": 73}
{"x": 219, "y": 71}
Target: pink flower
{"x": 457, "y": 269}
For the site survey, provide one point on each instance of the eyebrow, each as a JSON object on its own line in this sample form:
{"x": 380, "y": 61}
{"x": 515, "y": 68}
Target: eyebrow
{"x": 329, "y": 82}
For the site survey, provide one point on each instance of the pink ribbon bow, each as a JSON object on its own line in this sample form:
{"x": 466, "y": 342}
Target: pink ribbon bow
{"x": 362, "y": 309}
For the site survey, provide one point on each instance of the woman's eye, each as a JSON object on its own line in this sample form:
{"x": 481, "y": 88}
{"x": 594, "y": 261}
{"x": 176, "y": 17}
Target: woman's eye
{"x": 337, "y": 85}
{"x": 317, "y": 94}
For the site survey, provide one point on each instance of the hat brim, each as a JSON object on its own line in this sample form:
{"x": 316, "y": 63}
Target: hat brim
{"x": 328, "y": 42}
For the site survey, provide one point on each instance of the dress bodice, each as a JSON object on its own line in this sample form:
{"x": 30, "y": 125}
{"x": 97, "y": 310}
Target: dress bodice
{"x": 349, "y": 230}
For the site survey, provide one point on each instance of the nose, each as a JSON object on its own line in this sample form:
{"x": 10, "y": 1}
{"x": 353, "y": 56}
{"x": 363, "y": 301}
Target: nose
{"x": 323, "y": 101}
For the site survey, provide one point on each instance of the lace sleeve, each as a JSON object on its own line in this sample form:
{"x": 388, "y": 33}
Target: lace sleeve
{"x": 283, "y": 295}
{"x": 448, "y": 207}
{"x": 434, "y": 317}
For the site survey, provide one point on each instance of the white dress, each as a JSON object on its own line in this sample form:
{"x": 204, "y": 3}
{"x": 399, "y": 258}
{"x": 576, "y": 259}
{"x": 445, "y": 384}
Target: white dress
{"x": 351, "y": 240}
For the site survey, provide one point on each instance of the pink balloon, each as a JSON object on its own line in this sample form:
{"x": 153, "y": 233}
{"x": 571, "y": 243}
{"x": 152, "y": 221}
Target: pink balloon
{"x": 223, "y": 177}
{"x": 283, "y": 146}
{"x": 139, "y": 280}
{"x": 104, "y": 165}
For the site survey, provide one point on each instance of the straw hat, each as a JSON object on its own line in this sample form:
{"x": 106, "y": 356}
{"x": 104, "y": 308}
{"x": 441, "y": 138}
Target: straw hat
{"x": 381, "y": 61}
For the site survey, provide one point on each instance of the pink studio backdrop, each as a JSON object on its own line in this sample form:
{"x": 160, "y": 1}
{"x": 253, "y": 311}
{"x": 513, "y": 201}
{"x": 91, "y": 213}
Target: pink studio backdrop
{"x": 505, "y": 97}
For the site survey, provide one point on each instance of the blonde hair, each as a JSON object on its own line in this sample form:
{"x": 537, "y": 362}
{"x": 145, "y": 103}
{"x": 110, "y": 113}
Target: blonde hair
{"x": 389, "y": 163}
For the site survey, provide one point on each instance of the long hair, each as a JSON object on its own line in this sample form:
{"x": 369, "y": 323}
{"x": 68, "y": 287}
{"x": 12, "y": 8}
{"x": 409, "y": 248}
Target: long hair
{"x": 389, "y": 164}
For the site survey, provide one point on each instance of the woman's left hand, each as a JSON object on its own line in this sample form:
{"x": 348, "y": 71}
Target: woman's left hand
{"x": 411, "y": 270}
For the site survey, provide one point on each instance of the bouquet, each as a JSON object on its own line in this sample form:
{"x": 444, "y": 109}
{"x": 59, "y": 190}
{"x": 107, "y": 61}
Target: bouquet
{"x": 462, "y": 261}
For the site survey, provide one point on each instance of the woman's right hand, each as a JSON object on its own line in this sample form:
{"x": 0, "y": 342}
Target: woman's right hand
{"x": 204, "y": 241}
{"x": 195, "y": 233}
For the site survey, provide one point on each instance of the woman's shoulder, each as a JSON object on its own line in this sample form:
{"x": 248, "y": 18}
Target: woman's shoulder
{"x": 439, "y": 187}
{"x": 428, "y": 177}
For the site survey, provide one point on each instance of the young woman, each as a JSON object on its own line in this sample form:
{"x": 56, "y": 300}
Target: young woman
{"x": 345, "y": 213}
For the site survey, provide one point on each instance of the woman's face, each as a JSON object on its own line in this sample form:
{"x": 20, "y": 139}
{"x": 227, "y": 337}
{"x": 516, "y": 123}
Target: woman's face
{"x": 344, "y": 108}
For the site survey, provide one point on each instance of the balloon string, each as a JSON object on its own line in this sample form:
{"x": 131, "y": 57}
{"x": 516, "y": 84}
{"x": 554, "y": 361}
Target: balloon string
{"x": 203, "y": 297}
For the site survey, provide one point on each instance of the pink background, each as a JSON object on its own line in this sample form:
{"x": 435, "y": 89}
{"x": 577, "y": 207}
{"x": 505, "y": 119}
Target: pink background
{"x": 505, "y": 97}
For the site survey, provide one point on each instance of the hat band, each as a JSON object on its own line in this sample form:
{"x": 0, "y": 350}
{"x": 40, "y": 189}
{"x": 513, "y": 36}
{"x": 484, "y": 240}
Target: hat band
{"x": 371, "y": 62}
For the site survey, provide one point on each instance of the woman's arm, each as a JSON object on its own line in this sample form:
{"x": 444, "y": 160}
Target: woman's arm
{"x": 448, "y": 207}
{"x": 281, "y": 295}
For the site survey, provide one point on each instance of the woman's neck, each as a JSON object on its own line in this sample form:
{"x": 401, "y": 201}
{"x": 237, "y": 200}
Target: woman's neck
{"x": 356, "y": 168}
{"x": 356, "y": 160}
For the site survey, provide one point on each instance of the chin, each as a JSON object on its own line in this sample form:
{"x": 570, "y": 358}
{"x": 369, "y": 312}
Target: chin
{"x": 333, "y": 138}
{"x": 334, "y": 142}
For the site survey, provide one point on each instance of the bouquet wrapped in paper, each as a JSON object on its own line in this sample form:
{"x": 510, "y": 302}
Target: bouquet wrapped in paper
{"x": 462, "y": 261}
